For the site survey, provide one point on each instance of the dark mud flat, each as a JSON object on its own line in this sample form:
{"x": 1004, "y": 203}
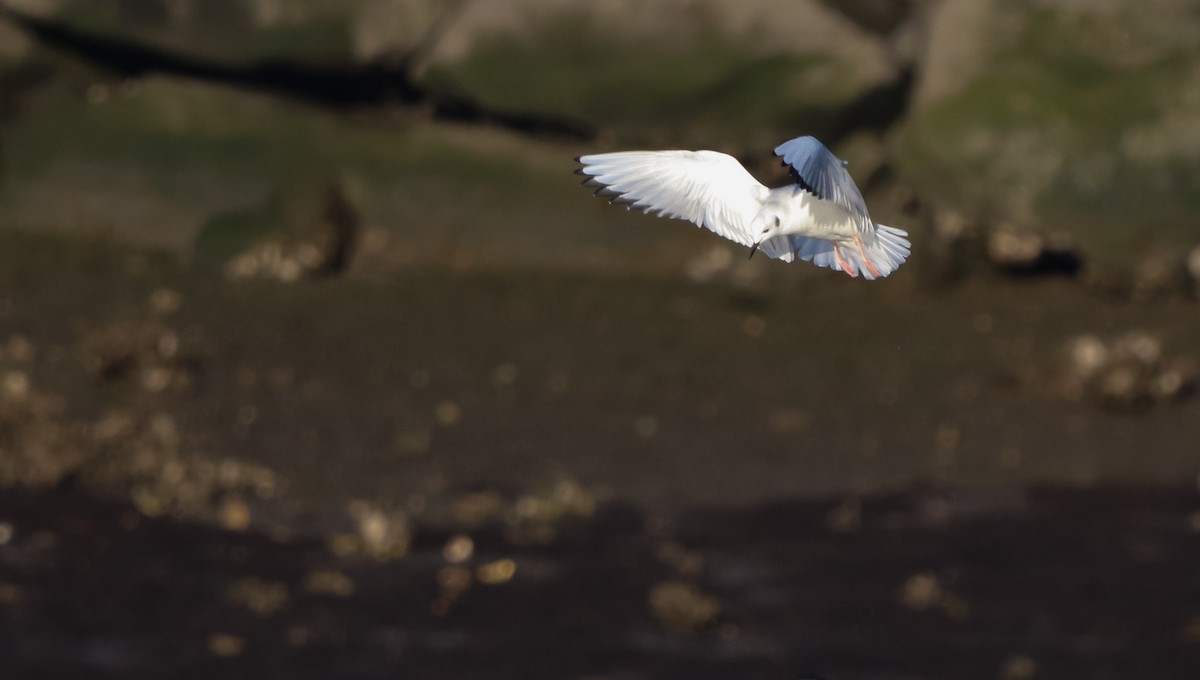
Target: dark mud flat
{"x": 717, "y": 480}
{"x": 1056, "y": 583}
{"x": 652, "y": 391}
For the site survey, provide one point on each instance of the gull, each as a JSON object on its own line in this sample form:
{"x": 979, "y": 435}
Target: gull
{"x": 821, "y": 218}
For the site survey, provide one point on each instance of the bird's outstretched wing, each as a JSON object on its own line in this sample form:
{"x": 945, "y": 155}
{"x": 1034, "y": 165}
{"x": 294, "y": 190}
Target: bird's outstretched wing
{"x": 706, "y": 187}
{"x": 819, "y": 172}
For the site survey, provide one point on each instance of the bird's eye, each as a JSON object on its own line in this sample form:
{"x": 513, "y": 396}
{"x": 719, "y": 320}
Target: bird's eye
{"x": 777, "y": 220}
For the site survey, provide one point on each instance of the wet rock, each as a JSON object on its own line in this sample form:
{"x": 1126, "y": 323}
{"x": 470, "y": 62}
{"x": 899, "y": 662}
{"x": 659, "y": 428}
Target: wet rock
{"x": 539, "y": 517}
{"x": 273, "y": 261}
{"x": 15, "y": 47}
{"x": 685, "y": 562}
{"x": 226, "y": 645}
{"x": 149, "y": 353}
{"x": 38, "y": 446}
{"x": 496, "y": 573}
{"x": 824, "y": 61}
{"x": 711, "y": 264}
{"x": 1132, "y": 371}
{"x": 234, "y": 514}
{"x": 10, "y": 593}
{"x": 329, "y": 583}
{"x": 382, "y": 533}
{"x": 878, "y": 16}
{"x": 225, "y": 30}
{"x": 150, "y": 457}
{"x": 1024, "y": 251}
{"x": 1013, "y": 248}
{"x": 961, "y": 246}
{"x": 1191, "y": 630}
{"x": 315, "y": 235}
{"x": 22, "y": 69}
{"x": 846, "y": 518}
{"x": 807, "y": 26}
{"x": 474, "y": 509}
{"x": 206, "y": 172}
{"x": 681, "y": 607}
{"x": 458, "y": 549}
{"x": 924, "y": 591}
{"x": 262, "y": 597}
{"x": 1192, "y": 267}
{"x": 1157, "y": 276}
{"x": 18, "y": 350}
{"x": 955, "y": 248}
{"x": 1019, "y": 667}
{"x": 1060, "y": 149}
{"x": 452, "y": 582}
{"x": 482, "y": 48}
{"x": 165, "y": 301}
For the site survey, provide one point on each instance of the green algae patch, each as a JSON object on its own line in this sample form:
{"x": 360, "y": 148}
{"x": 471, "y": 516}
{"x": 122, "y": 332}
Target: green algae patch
{"x": 701, "y": 85}
{"x": 183, "y": 165}
{"x": 224, "y": 31}
{"x": 1060, "y": 134}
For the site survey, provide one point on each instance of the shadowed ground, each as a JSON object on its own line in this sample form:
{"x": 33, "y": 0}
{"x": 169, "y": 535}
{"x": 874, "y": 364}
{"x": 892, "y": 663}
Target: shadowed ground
{"x": 1061, "y": 583}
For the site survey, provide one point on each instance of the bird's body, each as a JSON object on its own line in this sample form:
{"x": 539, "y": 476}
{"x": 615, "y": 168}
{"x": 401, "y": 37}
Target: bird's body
{"x": 821, "y": 218}
{"x": 803, "y": 214}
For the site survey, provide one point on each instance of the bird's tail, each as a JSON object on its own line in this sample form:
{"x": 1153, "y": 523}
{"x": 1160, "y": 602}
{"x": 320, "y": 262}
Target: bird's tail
{"x": 884, "y": 256}
{"x": 890, "y": 250}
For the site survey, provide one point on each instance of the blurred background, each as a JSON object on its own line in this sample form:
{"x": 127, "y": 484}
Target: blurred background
{"x": 316, "y": 361}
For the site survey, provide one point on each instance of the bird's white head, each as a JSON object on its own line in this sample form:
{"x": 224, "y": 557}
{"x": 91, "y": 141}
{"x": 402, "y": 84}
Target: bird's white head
{"x": 766, "y": 225}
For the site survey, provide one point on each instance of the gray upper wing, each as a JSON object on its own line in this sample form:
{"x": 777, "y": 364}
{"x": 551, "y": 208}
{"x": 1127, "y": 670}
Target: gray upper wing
{"x": 819, "y": 172}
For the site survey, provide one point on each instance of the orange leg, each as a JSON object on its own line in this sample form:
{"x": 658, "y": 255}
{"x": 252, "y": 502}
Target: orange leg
{"x": 837, "y": 254}
{"x": 870, "y": 265}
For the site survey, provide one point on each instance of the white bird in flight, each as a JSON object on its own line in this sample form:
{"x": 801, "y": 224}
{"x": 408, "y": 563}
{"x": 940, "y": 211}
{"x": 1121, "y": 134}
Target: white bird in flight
{"x": 822, "y": 218}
